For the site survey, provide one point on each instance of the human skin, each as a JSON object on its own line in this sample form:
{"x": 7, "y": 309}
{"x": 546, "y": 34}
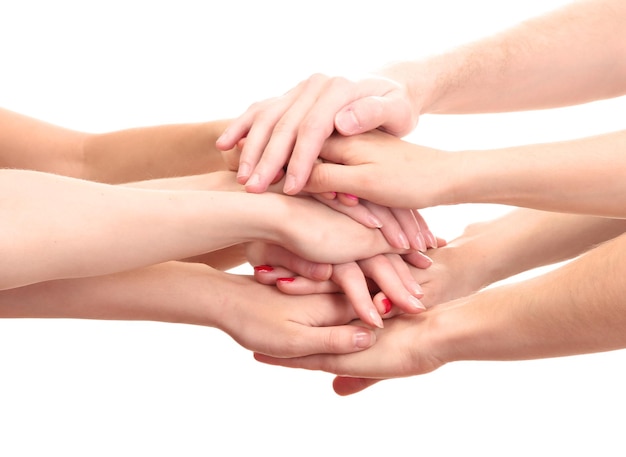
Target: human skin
{"x": 178, "y": 157}
{"x": 540, "y": 63}
{"x": 258, "y": 317}
{"x": 573, "y": 309}
{"x": 578, "y": 176}
{"x": 108, "y": 228}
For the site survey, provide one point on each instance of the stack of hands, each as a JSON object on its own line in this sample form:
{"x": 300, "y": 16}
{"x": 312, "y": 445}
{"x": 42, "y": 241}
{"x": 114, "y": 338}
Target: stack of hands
{"x": 319, "y": 192}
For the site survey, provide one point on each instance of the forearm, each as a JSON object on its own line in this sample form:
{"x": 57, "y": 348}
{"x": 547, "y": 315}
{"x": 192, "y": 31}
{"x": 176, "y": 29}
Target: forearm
{"x": 575, "y": 309}
{"x": 112, "y": 157}
{"x": 579, "y": 176}
{"x": 572, "y": 55}
{"x": 521, "y": 240}
{"x": 31, "y": 144}
{"x": 166, "y": 292}
{"x": 103, "y": 229}
{"x": 153, "y": 152}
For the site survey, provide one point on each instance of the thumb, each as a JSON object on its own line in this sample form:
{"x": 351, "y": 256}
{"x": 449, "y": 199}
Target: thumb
{"x": 391, "y": 114}
{"x": 332, "y": 177}
{"x": 347, "y": 386}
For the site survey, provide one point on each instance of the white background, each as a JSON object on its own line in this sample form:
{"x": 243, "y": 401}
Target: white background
{"x": 71, "y": 388}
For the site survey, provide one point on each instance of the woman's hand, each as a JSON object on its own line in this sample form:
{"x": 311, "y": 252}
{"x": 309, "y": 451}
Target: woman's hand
{"x": 291, "y": 129}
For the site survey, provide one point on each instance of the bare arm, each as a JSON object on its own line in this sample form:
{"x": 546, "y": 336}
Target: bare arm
{"x": 78, "y": 228}
{"x": 258, "y": 317}
{"x": 113, "y": 157}
{"x": 580, "y": 176}
{"x": 572, "y": 55}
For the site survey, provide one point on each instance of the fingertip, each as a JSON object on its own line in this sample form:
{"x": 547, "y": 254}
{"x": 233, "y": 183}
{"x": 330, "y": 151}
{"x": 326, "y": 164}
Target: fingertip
{"x": 255, "y": 184}
{"x": 344, "y": 386}
{"x": 348, "y": 199}
{"x": 347, "y": 123}
{"x": 292, "y": 185}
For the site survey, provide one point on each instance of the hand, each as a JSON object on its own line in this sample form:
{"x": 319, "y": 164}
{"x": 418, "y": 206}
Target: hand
{"x": 264, "y": 320}
{"x": 358, "y": 280}
{"x": 407, "y": 346}
{"x": 403, "y": 228}
{"x": 385, "y": 170}
{"x": 291, "y": 128}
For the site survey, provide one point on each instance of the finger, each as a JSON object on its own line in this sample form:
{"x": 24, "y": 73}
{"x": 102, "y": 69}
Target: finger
{"x": 268, "y": 274}
{"x": 352, "y": 281}
{"x": 316, "y": 127}
{"x": 280, "y": 144}
{"x": 343, "y": 385}
{"x": 342, "y": 339}
{"x": 409, "y": 225}
{"x": 359, "y": 213}
{"x": 392, "y": 114}
{"x": 395, "y": 281}
{"x": 418, "y": 259}
{"x": 429, "y": 238}
{"x": 348, "y": 199}
{"x": 266, "y": 115}
{"x": 300, "y": 285}
{"x": 236, "y": 130}
{"x": 331, "y": 177}
{"x": 391, "y": 228}
{"x": 277, "y": 256}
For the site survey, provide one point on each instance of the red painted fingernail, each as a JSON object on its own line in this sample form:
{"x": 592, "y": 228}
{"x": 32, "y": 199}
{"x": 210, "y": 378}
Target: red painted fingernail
{"x": 286, "y": 279}
{"x": 263, "y": 268}
{"x": 387, "y": 304}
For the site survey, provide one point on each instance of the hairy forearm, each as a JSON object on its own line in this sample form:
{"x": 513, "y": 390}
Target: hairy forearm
{"x": 575, "y": 309}
{"x": 572, "y": 55}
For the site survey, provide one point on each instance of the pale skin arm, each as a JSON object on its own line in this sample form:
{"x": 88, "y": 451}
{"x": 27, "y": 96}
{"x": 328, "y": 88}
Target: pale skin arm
{"x": 575, "y": 309}
{"x": 569, "y": 56}
{"x": 107, "y": 228}
{"x": 258, "y": 317}
{"x": 580, "y": 176}
{"x": 119, "y": 156}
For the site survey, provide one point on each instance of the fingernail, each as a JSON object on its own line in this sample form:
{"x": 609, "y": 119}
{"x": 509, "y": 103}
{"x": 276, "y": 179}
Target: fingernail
{"x": 431, "y": 239}
{"x": 254, "y": 180}
{"x": 351, "y": 197}
{"x": 374, "y": 221}
{"x": 243, "y": 171}
{"x": 421, "y": 243}
{"x": 286, "y": 279}
{"x": 417, "y": 290}
{"x": 403, "y": 240}
{"x": 415, "y": 303}
{"x": 375, "y": 318}
{"x": 363, "y": 340}
{"x": 348, "y": 122}
{"x": 290, "y": 184}
{"x": 387, "y": 303}
{"x": 263, "y": 268}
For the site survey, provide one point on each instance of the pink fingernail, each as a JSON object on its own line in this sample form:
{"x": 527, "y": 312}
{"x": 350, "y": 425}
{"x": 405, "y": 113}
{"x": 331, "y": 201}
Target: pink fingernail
{"x": 387, "y": 304}
{"x": 351, "y": 197}
{"x": 286, "y": 279}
